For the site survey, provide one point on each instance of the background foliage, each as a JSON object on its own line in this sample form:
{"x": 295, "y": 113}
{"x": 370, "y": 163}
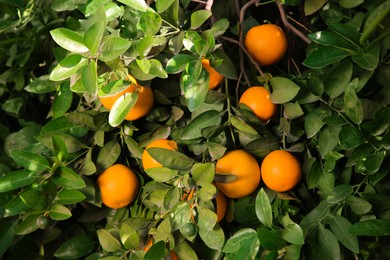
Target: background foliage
{"x": 332, "y": 89}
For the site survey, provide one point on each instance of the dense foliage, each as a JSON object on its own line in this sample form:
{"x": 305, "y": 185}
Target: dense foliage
{"x": 332, "y": 89}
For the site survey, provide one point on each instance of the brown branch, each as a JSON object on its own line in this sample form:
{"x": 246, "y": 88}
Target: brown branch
{"x": 289, "y": 26}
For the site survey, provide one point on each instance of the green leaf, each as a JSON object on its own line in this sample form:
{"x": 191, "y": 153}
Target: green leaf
{"x": 312, "y": 6}
{"x": 156, "y": 251}
{"x": 14, "y": 207}
{"x": 374, "y": 19}
{"x": 121, "y": 108}
{"x": 323, "y": 56}
{"x": 368, "y": 60}
{"x": 206, "y": 219}
{"x": 352, "y": 104}
{"x": 283, "y": 90}
{"x": 340, "y": 227}
{"x": 59, "y": 212}
{"x": 109, "y": 154}
{"x": 67, "y": 178}
{"x": 76, "y": 247}
{"x": 27, "y": 225}
{"x": 328, "y": 139}
{"x": 213, "y": 239}
{"x": 171, "y": 159}
{"x": 7, "y": 235}
{"x": 293, "y": 234}
{"x": 350, "y": 137}
{"x": 372, "y": 227}
{"x": 150, "y": 23}
{"x": 34, "y": 199}
{"x": 31, "y": 161}
{"x": 163, "y": 5}
{"x": 313, "y": 121}
{"x": 139, "y": 5}
{"x": 350, "y": 3}
{"x": 358, "y": 205}
{"x": 328, "y": 242}
{"x": 339, "y": 194}
{"x": 316, "y": 215}
{"x": 89, "y": 78}
{"x": 41, "y": 85}
{"x": 242, "y": 244}
{"x": 162, "y": 174}
{"x": 68, "y": 67}
{"x": 113, "y": 47}
{"x": 270, "y": 239}
{"x": 195, "y": 86}
{"x": 108, "y": 241}
{"x": 292, "y": 110}
{"x": 217, "y": 29}
{"x": 59, "y": 147}
{"x": 144, "y": 46}
{"x": 329, "y": 38}
{"x": 62, "y": 100}
{"x": 68, "y": 196}
{"x": 194, "y": 129}
{"x": 203, "y": 173}
{"x": 179, "y": 215}
{"x": 338, "y": 79}
{"x": 263, "y": 208}
{"x": 69, "y": 40}
{"x": 93, "y": 36}
{"x": 227, "y": 67}
{"x": 198, "y": 18}
{"x": 129, "y": 236}
{"x": 178, "y": 63}
{"x": 185, "y": 251}
{"x": 17, "y": 179}
{"x": 242, "y": 126}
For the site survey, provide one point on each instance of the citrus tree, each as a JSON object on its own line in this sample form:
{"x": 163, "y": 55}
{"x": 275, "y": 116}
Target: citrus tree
{"x": 183, "y": 129}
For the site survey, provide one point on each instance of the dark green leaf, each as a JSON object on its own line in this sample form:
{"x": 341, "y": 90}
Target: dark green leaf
{"x": 14, "y": 207}
{"x": 109, "y": 154}
{"x": 76, "y": 247}
{"x": 34, "y": 199}
{"x": 27, "y": 225}
{"x": 194, "y": 129}
{"x": 368, "y": 60}
{"x": 17, "y": 179}
{"x": 31, "y": 161}
{"x": 227, "y": 67}
{"x": 340, "y": 193}
{"x": 263, "y": 208}
{"x": 67, "y": 178}
{"x": 372, "y": 227}
{"x": 328, "y": 242}
{"x": 59, "y": 212}
{"x": 156, "y": 251}
{"x": 68, "y": 196}
{"x": 315, "y": 216}
{"x": 374, "y": 19}
{"x": 340, "y": 227}
{"x": 7, "y": 235}
{"x": 352, "y": 104}
{"x": 313, "y": 121}
{"x": 328, "y": 139}
{"x": 283, "y": 90}
{"x": 69, "y": 40}
{"x": 323, "y": 56}
{"x": 350, "y": 137}
{"x": 329, "y": 38}
{"x": 338, "y": 79}
{"x": 358, "y": 205}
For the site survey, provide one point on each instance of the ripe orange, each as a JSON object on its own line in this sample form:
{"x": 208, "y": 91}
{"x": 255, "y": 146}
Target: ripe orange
{"x": 143, "y": 104}
{"x": 245, "y": 167}
{"x": 215, "y": 77}
{"x": 148, "y": 161}
{"x": 118, "y": 186}
{"x": 259, "y": 101}
{"x": 220, "y": 206}
{"x": 266, "y": 43}
{"x": 280, "y": 170}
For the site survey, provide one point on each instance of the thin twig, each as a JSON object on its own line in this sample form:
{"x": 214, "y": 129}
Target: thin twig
{"x": 209, "y": 4}
{"x": 290, "y": 26}
{"x": 242, "y": 47}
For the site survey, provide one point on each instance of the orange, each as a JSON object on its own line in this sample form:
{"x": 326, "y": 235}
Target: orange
{"x": 266, "y": 43}
{"x": 220, "y": 206}
{"x": 215, "y": 77}
{"x": 280, "y": 170}
{"x": 245, "y": 167}
{"x": 141, "y": 107}
{"x": 259, "y": 101}
{"x": 118, "y": 186}
{"x": 187, "y": 196}
{"x": 149, "y": 244}
{"x": 148, "y": 161}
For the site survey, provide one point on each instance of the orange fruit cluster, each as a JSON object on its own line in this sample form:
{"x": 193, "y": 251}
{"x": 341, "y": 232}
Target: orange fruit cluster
{"x": 143, "y": 104}
{"x": 266, "y": 43}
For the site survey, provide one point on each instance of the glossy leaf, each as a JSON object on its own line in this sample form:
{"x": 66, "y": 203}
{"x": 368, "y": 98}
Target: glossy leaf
{"x": 17, "y": 179}
{"x": 67, "y": 178}
{"x": 263, "y": 208}
{"x": 178, "y": 63}
{"x": 194, "y": 129}
{"x": 69, "y": 196}
{"x": 68, "y": 67}
{"x": 171, "y": 159}
{"x": 75, "y": 247}
{"x": 323, "y": 56}
{"x": 283, "y": 90}
{"x": 139, "y": 5}
{"x": 69, "y": 40}
{"x": 59, "y": 212}
{"x": 31, "y": 161}
{"x": 27, "y": 225}
{"x": 121, "y": 108}
{"x": 113, "y": 47}
{"x": 93, "y": 36}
